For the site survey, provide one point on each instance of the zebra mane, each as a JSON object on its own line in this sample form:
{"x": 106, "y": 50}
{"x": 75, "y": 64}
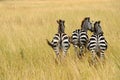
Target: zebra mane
{"x": 97, "y": 28}
{"x": 84, "y": 21}
{"x": 61, "y": 26}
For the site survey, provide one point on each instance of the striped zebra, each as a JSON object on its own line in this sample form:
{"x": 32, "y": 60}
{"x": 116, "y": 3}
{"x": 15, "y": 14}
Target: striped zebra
{"x": 60, "y": 41}
{"x": 79, "y": 37}
{"x": 97, "y": 43}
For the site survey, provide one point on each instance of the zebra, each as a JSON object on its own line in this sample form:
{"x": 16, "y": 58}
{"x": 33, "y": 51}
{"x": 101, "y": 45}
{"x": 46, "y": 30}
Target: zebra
{"x": 79, "y": 37}
{"x": 97, "y": 43}
{"x": 60, "y": 41}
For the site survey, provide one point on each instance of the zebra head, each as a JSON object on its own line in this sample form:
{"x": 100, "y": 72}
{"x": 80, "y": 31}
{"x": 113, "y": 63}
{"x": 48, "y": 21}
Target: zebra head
{"x": 61, "y": 27}
{"x": 97, "y": 28}
{"x": 86, "y": 25}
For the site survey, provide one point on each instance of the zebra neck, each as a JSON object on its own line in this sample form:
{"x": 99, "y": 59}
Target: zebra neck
{"x": 84, "y": 30}
{"x": 60, "y": 30}
{"x": 98, "y": 34}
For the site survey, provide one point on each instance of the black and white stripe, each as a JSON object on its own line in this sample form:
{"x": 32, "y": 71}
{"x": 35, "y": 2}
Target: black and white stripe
{"x": 79, "y": 39}
{"x": 79, "y": 36}
{"x": 60, "y": 41}
{"x": 97, "y": 43}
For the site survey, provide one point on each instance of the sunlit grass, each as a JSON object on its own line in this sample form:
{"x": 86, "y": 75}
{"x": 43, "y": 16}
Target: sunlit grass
{"x": 25, "y": 26}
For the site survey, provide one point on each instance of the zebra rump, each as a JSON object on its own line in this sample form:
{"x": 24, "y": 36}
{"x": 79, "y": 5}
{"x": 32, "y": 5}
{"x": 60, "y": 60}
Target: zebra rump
{"x": 97, "y": 42}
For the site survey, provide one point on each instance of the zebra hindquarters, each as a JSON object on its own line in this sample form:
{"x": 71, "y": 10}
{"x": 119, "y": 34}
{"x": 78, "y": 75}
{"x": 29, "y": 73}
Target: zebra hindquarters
{"x": 97, "y": 45}
{"x": 81, "y": 50}
{"x": 91, "y": 46}
{"x": 83, "y": 42}
{"x": 74, "y": 40}
{"x": 65, "y": 44}
{"x": 76, "y": 44}
{"x": 102, "y": 46}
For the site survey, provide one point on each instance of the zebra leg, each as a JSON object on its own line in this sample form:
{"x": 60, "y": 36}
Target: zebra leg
{"x": 81, "y": 50}
{"x": 85, "y": 48}
{"x": 75, "y": 49}
{"x": 58, "y": 58}
{"x": 102, "y": 56}
{"x": 93, "y": 57}
{"x": 64, "y": 52}
{"x": 65, "y": 48}
{"x": 56, "y": 49}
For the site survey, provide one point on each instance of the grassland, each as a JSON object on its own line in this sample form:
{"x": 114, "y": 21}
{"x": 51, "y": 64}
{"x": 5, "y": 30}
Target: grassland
{"x": 25, "y": 25}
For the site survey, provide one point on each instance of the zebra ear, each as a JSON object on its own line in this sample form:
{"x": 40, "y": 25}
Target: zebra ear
{"x": 57, "y": 21}
{"x": 99, "y": 22}
{"x": 88, "y": 18}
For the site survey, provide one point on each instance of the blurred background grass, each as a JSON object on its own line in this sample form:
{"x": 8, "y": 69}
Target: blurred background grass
{"x": 25, "y": 25}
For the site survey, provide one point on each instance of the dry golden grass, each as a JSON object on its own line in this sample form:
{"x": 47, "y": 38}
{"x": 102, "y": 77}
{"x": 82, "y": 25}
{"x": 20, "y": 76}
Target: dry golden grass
{"x": 25, "y": 25}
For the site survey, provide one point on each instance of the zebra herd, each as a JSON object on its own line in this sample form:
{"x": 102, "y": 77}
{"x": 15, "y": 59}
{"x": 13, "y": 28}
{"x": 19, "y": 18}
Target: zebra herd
{"x": 97, "y": 43}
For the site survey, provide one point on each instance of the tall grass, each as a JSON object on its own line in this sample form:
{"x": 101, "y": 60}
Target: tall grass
{"x": 25, "y": 25}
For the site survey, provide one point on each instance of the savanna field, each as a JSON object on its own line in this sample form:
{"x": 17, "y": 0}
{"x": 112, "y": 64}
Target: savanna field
{"x": 26, "y": 24}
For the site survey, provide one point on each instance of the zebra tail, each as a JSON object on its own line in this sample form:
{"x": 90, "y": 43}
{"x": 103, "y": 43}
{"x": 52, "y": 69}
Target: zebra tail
{"x": 49, "y": 43}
